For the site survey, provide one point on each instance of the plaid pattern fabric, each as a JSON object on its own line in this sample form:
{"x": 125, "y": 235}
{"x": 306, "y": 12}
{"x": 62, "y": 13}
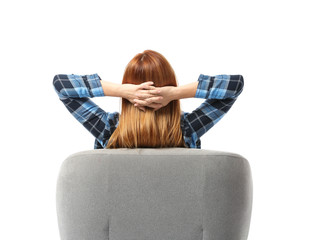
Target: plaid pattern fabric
{"x": 220, "y": 92}
{"x": 75, "y": 91}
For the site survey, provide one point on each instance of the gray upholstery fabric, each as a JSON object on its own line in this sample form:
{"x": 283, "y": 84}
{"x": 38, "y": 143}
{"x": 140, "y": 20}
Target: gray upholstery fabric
{"x": 148, "y": 194}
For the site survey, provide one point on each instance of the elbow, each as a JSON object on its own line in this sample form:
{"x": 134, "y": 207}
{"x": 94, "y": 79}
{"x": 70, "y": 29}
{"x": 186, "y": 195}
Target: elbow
{"x": 239, "y": 85}
{"x": 58, "y": 86}
{"x": 55, "y": 81}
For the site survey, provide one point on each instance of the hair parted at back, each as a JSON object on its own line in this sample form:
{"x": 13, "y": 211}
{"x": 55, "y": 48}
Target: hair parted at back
{"x": 161, "y": 128}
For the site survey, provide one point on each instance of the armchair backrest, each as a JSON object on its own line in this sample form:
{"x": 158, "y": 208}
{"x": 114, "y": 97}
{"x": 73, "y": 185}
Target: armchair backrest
{"x": 154, "y": 194}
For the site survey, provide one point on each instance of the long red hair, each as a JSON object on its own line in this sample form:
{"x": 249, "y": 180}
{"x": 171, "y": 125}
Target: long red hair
{"x": 151, "y": 128}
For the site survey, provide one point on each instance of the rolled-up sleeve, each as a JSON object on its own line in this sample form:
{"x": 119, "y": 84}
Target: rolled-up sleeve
{"x": 219, "y": 86}
{"x": 78, "y": 86}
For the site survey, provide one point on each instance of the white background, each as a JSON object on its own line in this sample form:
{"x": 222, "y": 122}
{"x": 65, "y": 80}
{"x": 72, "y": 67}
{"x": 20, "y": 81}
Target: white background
{"x": 265, "y": 41}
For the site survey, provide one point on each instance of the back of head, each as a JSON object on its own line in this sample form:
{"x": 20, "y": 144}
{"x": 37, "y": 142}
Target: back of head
{"x": 151, "y": 128}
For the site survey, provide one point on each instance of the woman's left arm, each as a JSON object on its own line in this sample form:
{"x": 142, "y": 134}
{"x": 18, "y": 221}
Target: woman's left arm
{"x": 75, "y": 91}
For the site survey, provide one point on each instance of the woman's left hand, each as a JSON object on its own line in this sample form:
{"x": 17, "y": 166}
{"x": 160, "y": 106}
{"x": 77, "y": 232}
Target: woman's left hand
{"x": 162, "y": 98}
{"x": 142, "y": 92}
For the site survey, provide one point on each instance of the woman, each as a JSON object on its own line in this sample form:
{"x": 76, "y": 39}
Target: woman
{"x": 151, "y": 114}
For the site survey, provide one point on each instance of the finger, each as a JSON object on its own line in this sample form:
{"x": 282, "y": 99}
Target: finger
{"x": 150, "y": 91}
{"x": 146, "y": 85}
{"x": 149, "y": 87}
{"x": 155, "y": 91}
{"x": 156, "y": 106}
{"x": 142, "y": 108}
{"x": 151, "y": 105}
{"x": 142, "y": 94}
{"x": 147, "y": 101}
{"x": 156, "y": 99}
{"x": 140, "y": 102}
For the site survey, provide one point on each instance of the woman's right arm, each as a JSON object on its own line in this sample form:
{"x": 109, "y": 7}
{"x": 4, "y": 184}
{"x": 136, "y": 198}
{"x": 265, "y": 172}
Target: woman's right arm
{"x": 167, "y": 94}
{"x": 219, "y": 92}
{"x": 207, "y": 87}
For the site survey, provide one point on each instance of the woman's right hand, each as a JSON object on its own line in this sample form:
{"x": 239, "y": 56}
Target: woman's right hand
{"x": 142, "y": 92}
{"x": 162, "y": 97}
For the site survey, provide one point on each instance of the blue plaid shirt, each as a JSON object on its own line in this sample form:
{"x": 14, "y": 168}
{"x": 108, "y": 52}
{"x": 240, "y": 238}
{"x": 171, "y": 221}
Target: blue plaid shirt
{"x": 75, "y": 91}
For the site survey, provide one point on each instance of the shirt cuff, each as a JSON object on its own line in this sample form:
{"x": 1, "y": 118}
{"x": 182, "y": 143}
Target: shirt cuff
{"x": 204, "y": 85}
{"x": 95, "y": 85}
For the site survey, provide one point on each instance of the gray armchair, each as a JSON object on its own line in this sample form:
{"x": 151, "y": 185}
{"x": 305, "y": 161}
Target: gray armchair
{"x": 154, "y": 194}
